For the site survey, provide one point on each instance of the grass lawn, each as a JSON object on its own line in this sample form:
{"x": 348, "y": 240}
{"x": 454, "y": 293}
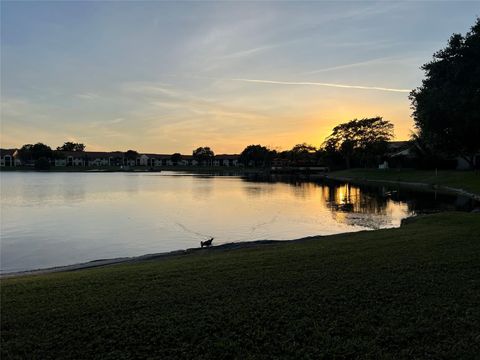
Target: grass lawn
{"x": 466, "y": 180}
{"x": 412, "y": 292}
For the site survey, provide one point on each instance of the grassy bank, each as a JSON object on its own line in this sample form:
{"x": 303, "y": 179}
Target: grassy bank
{"x": 465, "y": 180}
{"x": 412, "y": 292}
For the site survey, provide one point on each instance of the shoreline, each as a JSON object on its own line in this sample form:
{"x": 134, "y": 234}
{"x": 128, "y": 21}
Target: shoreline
{"x": 155, "y": 256}
{"x": 414, "y": 185}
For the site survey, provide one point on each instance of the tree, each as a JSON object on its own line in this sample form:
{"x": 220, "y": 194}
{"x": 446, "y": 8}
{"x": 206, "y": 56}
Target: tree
{"x": 363, "y": 139}
{"x": 176, "y": 158}
{"x": 203, "y": 155}
{"x": 29, "y": 152}
{"x": 446, "y": 107}
{"x": 303, "y": 153}
{"x": 131, "y": 155}
{"x": 257, "y": 155}
{"x": 71, "y": 146}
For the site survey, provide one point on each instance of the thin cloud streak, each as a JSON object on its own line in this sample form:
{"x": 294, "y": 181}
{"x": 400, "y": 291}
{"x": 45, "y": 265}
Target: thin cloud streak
{"x": 345, "y": 86}
{"x": 348, "y": 66}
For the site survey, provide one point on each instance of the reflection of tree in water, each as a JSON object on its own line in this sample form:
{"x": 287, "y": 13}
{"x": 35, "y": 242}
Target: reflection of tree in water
{"x": 370, "y": 206}
{"x": 350, "y": 198}
{"x": 379, "y": 206}
{"x": 354, "y": 206}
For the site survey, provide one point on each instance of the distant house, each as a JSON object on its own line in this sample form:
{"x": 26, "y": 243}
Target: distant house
{"x": 189, "y": 160}
{"x": 90, "y": 159}
{"x": 399, "y": 148}
{"x": 98, "y": 158}
{"x": 70, "y": 158}
{"x": 399, "y": 154}
{"x": 405, "y": 153}
{"x": 226, "y": 160}
{"x": 9, "y": 158}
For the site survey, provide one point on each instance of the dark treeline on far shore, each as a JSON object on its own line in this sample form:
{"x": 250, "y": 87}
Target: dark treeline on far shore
{"x": 446, "y": 115}
{"x": 359, "y": 142}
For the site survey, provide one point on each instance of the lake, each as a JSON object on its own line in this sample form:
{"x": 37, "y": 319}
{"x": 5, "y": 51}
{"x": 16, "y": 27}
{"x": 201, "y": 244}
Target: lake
{"x": 55, "y": 219}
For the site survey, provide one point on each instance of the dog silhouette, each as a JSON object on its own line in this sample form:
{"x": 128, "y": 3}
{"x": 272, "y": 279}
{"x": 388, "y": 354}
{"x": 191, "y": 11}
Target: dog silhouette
{"x": 206, "y": 243}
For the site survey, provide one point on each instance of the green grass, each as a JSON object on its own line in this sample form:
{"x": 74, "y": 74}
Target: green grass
{"x": 466, "y": 180}
{"x": 412, "y": 292}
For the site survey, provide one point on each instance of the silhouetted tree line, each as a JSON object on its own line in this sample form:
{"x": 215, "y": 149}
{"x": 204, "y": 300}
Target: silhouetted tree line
{"x": 354, "y": 143}
{"x": 357, "y": 142}
{"x": 40, "y": 154}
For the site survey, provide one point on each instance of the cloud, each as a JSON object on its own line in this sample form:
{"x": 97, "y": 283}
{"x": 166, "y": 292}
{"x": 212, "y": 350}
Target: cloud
{"x": 307, "y": 83}
{"x": 149, "y": 88}
{"x": 348, "y": 66}
{"x": 88, "y": 96}
{"x": 246, "y": 52}
{"x": 255, "y": 50}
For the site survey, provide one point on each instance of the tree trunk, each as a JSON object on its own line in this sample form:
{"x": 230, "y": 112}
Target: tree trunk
{"x": 347, "y": 161}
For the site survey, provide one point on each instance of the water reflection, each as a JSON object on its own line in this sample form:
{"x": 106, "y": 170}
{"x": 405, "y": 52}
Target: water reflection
{"x": 52, "y": 219}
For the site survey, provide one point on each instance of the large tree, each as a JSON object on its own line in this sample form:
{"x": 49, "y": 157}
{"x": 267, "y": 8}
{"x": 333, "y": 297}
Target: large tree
{"x": 446, "y": 106}
{"x": 29, "y": 152}
{"x": 176, "y": 158}
{"x": 256, "y": 155}
{"x": 131, "y": 155}
{"x": 203, "y": 155}
{"x": 303, "y": 153}
{"x": 363, "y": 139}
{"x": 71, "y": 146}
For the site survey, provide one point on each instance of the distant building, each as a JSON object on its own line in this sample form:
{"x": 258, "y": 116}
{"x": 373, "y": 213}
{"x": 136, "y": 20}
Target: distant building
{"x": 399, "y": 148}
{"x": 399, "y": 154}
{"x": 9, "y": 158}
{"x": 226, "y": 160}
{"x": 117, "y": 158}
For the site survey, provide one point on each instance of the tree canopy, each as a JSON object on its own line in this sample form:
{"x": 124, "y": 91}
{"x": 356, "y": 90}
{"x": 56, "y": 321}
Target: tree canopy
{"x": 362, "y": 139}
{"x": 446, "y": 106}
{"x": 131, "y": 154}
{"x": 29, "y": 152}
{"x": 256, "y": 155}
{"x": 303, "y": 153}
{"x": 176, "y": 158}
{"x": 71, "y": 146}
{"x": 203, "y": 154}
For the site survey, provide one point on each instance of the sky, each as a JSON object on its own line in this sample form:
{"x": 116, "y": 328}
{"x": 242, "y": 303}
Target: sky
{"x": 169, "y": 77}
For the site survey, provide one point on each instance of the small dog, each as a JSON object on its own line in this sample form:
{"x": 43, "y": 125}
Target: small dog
{"x": 206, "y": 243}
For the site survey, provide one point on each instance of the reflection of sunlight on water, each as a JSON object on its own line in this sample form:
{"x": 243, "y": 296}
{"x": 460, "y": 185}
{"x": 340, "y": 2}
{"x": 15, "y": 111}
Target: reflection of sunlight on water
{"x": 398, "y": 211}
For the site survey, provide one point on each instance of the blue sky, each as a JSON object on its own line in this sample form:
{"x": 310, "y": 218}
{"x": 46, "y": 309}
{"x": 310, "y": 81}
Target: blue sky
{"x": 165, "y": 77}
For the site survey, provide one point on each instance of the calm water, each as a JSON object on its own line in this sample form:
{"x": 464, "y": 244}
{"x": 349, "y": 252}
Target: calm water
{"x": 53, "y": 219}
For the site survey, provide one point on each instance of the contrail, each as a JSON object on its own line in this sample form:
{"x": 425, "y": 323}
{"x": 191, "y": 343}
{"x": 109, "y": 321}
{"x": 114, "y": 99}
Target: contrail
{"x": 322, "y": 84}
